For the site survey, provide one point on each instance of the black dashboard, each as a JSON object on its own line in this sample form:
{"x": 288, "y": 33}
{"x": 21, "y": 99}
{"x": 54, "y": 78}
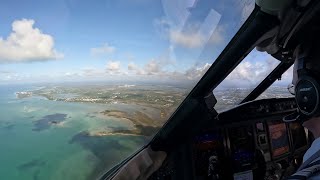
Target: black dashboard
{"x": 258, "y": 109}
{"x": 249, "y": 141}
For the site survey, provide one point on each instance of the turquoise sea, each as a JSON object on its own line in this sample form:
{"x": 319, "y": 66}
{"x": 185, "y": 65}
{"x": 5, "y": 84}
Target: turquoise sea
{"x": 42, "y": 139}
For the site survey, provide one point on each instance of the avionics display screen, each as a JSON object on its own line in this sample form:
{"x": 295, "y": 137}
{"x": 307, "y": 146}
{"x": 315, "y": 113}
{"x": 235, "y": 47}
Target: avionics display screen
{"x": 206, "y": 146}
{"x": 260, "y": 127}
{"x": 299, "y": 138}
{"x": 208, "y": 141}
{"x": 242, "y": 147}
{"x": 279, "y": 139}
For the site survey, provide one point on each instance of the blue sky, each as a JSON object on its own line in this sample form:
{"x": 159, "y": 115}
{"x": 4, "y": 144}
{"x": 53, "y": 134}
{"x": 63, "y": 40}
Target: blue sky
{"x": 160, "y": 40}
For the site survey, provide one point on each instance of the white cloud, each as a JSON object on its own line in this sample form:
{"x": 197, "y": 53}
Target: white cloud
{"x": 113, "y": 67}
{"x": 253, "y": 72}
{"x": 132, "y": 66}
{"x": 288, "y": 75}
{"x": 249, "y": 74}
{"x": 158, "y": 69}
{"x": 218, "y": 35}
{"x": 71, "y": 74}
{"x": 161, "y": 69}
{"x": 193, "y": 34}
{"x": 196, "y": 72}
{"x": 88, "y": 70}
{"x": 104, "y": 49}
{"x": 188, "y": 40}
{"x": 26, "y": 43}
{"x": 246, "y": 9}
{"x": 153, "y": 67}
{"x": 92, "y": 72}
{"x": 286, "y": 78}
{"x": 209, "y": 32}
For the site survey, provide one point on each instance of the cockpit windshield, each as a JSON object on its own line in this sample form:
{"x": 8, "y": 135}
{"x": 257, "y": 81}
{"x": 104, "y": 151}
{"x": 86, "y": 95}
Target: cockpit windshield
{"x": 280, "y": 88}
{"x": 246, "y": 76}
{"x": 84, "y": 84}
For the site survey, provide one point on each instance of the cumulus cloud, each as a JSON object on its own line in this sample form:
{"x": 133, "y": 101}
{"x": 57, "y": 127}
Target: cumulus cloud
{"x": 159, "y": 69}
{"x": 197, "y": 39}
{"x": 92, "y": 72}
{"x": 176, "y": 36}
{"x": 196, "y": 72}
{"x": 218, "y": 35}
{"x": 193, "y": 32}
{"x": 153, "y": 67}
{"x": 104, "y": 49}
{"x": 286, "y": 78}
{"x": 249, "y": 73}
{"x": 71, "y": 74}
{"x": 188, "y": 40}
{"x": 113, "y": 67}
{"x": 27, "y": 43}
{"x": 88, "y": 70}
{"x": 132, "y": 66}
{"x": 253, "y": 71}
{"x": 288, "y": 75}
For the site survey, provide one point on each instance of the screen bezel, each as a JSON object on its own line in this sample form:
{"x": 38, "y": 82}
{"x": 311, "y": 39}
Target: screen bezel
{"x": 270, "y": 123}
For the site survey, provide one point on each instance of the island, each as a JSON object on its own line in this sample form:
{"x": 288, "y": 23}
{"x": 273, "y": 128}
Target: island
{"x": 154, "y": 104}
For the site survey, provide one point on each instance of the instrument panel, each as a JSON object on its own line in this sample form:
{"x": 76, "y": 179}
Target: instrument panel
{"x": 250, "y": 140}
{"x": 258, "y": 109}
{"x": 216, "y": 151}
{"x": 208, "y": 153}
{"x": 257, "y": 144}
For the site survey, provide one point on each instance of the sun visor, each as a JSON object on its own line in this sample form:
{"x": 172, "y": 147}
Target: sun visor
{"x": 273, "y": 7}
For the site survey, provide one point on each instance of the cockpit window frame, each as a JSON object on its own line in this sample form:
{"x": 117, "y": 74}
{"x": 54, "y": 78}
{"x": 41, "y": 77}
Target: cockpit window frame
{"x": 239, "y": 46}
{"x": 268, "y": 81}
